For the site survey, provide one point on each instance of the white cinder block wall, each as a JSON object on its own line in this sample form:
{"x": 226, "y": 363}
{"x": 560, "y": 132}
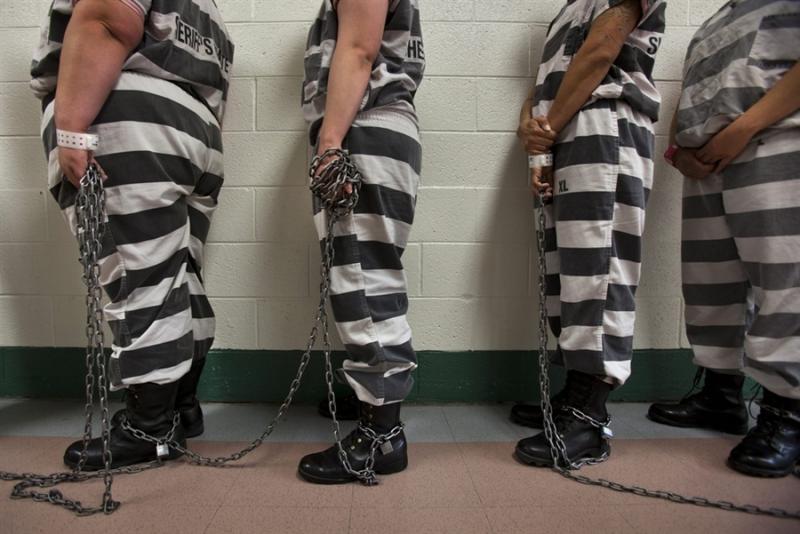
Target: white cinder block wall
{"x": 471, "y": 266}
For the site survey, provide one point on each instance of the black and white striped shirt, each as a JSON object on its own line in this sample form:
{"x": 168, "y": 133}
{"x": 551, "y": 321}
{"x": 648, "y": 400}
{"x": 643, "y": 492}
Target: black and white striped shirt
{"x": 733, "y": 60}
{"x": 396, "y": 73}
{"x": 184, "y": 42}
{"x": 630, "y": 77}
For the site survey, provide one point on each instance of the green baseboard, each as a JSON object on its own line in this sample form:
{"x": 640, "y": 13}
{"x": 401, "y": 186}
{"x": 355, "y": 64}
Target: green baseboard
{"x": 264, "y": 376}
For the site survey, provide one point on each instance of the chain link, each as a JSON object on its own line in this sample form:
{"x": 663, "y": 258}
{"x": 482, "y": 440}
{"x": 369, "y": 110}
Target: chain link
{"x": 558, "y": 451}
{"x": 328, "y": 184}
{"x": 90, "y": 213}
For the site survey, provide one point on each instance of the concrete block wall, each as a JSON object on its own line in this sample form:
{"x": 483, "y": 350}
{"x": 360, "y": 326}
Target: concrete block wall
{"x": 472, "y": 262}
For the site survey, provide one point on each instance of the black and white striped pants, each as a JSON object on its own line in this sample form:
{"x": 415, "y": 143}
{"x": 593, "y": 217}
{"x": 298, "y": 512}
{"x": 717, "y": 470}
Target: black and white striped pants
{"x": 162, "y": 152}
{"x": 603, "y": 176}
{"x": 741, "y": 264}
{"x": 368, "y": 284}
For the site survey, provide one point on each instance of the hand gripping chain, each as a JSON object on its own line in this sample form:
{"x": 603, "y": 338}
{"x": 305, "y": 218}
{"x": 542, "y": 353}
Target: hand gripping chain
{"x": 89, "y": 209}
{"x": 329, "y": 187}
{"x": 561, "y": 461}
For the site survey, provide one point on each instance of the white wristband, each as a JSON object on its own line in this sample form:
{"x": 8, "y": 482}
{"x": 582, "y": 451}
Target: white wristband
{"x": 540, "y": 160}
{"x": 79, "y": 141}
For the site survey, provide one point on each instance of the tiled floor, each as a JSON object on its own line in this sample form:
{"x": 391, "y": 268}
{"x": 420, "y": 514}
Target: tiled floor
{"x": 462, "y": 479}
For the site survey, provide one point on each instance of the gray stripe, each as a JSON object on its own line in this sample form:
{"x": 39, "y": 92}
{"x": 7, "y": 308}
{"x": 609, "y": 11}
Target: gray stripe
{"x": 773, "y": 276}
{"x": 766, "y": 223}
{"x": 716, "y": 294}
{"x": 716, "y": 336}
{"x": 776, "y": 326}
{"x": 787, "y": 372}
{"x": 778, "y": 168}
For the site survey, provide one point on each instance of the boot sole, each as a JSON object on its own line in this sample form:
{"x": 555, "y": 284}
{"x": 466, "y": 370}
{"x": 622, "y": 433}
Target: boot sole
{"x": 389, "y": 469}
{"x": 739, "y": 430}
{"x": 749, "y": 470}
{"x": 527, "y": 459}
{"x": 173, "y": 455}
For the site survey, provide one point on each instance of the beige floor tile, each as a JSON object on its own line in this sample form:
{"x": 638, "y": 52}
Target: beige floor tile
{"x": 390, "y": 520}
{"x": 437, "y": 476}
{"x": 264, "y": 520}
{"x": 668, "y": 518}
{"x": 564, "y": 520}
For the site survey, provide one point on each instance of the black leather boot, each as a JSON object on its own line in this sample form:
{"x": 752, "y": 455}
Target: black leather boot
{"x": 346, "y": 407}
{"x": 718, "y": 406}
{"x": 531, "y": 415}
{"x": 186, "y": 402}
{"x": 582, "y": 422}
{"x": 772, "y": 447}
{"x": 149, "y": 408}
{"x": 390, "y": 457}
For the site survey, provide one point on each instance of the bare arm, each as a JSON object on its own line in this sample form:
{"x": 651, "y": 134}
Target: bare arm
{"x": 779, "y": 102}
{"x": 593, "y": 61}
{"x": 361, "y": 24}
{"x": 100, "y": 36}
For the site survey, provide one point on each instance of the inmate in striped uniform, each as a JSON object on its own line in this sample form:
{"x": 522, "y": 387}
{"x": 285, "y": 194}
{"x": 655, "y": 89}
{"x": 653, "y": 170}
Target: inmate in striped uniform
{"x": 368, "y": 285}
{"x": 161, "y": 147}
{"x": 603, "y": 172}
{"x": 741, "y": 228}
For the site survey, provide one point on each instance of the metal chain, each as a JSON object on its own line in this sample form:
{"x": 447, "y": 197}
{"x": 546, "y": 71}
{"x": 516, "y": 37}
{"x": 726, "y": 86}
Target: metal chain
{"x": 558, "y": 451}
{"x": 90, "y": 213}
{"x": 328, "y": 185}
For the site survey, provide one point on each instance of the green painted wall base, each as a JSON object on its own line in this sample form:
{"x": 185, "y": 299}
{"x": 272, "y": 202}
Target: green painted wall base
{"x": 264, "y": 376}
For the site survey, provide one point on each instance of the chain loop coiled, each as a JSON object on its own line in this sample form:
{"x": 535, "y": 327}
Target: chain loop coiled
{"x": 558, "y": 451}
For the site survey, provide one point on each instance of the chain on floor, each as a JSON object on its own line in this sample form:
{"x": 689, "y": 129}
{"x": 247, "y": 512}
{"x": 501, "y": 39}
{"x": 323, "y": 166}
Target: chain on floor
{"x": 558, "y": 451}
{"x": 335, "y": 182}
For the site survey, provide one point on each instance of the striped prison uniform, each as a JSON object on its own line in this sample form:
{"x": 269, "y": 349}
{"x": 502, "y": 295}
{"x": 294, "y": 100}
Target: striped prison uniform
{"x": 603, "y": 172}
{"x": 161, "y": 149}
{"x": 368, "y": 285}
{"x": 741, "y": 227}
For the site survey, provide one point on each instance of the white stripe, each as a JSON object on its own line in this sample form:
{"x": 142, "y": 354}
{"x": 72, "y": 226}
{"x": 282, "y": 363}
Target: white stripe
{"x": 584, "y": 234}
{"x": 133, "y": 136}
{"x": 367, "y": 226}
{"x": 729, "y": 315}
{"x": 374, "y": 282}
{"x": 705, "y": 229}
{"x": 763, "y": 197}
{"x": 632, "y": 164}
{"x": 580, "y": 288}
{"x": 388, "y": 172}
{"x": 723, "y": 272}
{"x": 619, "y": 323}
{"x": 589, "y": 177}
{"x": 777, "y": 300}
{"x": 160, "y": 376}
{"x": 629, "y": 219}
{"x": 772, "y": 249}
{"x": 618, "y": 371}
{"x": 766, "y": 349}
{"x": 203, "y": 328}
{"x": 364, "y": 332}
{"x": 624, "y": 272}
{"x": 581, "y": 338}
{"x": 134, "y": 198}
{"x": 152, "y": 252}
{"x": 164, "y": 330}
{"x": 136, "y": 81}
